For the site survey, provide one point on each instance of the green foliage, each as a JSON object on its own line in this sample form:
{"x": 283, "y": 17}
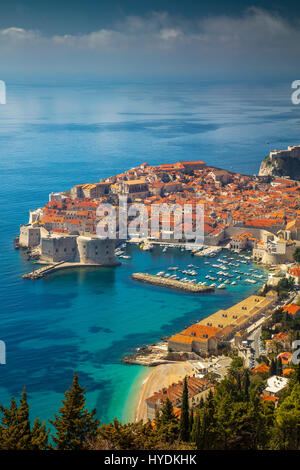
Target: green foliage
{"x": 237, "y": 362}
{"x": 166, "y": 424}
{"x": 279, "y": 367}
{"x": 284, "y": 286}
{"x": 232, "y": 418}
{"x": 15, "y": 430}
{"x": 286, "y": 434}
{"x": 74, "y": 425}
{"x": 296, "y": 254}
{"x": 184, "y": 417}
{"x": 273, "y": 368}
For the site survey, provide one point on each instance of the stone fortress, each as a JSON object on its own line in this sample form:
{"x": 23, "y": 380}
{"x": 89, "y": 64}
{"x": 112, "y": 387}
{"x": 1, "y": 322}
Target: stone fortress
{"x": 282, "y": 163}
{"x": 71, "y": 248}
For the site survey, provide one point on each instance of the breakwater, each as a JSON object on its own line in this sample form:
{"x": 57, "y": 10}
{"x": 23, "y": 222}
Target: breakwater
{"x": 171, "y": 283}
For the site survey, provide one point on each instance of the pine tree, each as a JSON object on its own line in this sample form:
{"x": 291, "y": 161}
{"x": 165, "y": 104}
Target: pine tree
{"x": 15, "y": 429}
{"x": 9, "y": 437}
{"x": 167, "y": 413}
{"x": 39, "y": 436}
{"x": 23, "y": 424}
{"x": 184, "y": 418}
{"x": 166, "y": 424}
{"x": 74, "y": 425}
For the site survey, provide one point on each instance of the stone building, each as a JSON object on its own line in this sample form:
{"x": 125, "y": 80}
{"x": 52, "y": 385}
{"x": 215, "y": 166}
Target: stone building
{"x": 196, "y": 338}
{"x": 29, "y": 236}
{"x": 78, "y": 249}
{"x": 197, "y": 388}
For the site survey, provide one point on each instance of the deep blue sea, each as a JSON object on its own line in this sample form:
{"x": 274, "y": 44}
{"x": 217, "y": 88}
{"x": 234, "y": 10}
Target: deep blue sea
{"x": 55, "y": 136}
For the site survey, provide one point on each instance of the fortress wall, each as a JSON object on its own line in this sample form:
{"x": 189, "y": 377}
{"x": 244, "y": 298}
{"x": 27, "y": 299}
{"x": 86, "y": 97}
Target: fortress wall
{"x": 213, "y": 240}
{"x": 260, "y": 234}
{"x": 29, "y": 236}
{"x": 96, "y": 251}
{"x": 55, "y": 249}
{"x": 275, "y": 258}
{"x": 292, "y": 151}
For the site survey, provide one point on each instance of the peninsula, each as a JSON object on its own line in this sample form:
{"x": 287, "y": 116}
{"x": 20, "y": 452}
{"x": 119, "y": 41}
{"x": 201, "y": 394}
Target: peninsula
{"x": 258, "y": 213}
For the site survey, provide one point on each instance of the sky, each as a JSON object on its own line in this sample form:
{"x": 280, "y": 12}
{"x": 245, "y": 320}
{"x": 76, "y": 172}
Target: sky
{"x": 130, "y": 39}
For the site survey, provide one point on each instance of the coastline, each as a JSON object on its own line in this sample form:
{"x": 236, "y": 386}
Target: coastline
{"x": 159, "y": 377}
{"x": 133, "y": 397}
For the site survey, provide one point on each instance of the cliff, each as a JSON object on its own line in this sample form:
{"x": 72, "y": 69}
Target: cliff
{"x": 282, "y": 163}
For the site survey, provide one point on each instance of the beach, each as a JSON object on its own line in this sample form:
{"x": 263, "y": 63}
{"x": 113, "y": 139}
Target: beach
{"x": 159, "y": 377}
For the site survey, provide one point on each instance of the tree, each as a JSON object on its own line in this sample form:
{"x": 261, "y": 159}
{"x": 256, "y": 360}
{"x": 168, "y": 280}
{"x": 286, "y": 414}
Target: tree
{"x": 184, "y": 418}
{"x": 196, "y": 430}
{"x": 23, "y": 424}
{"x": 287, "y": 422}
{"x": 246, "y": 383}
{"x": 8, "y": 430}
{"x": 167, "y": 426}
{"x": 39, "y": 436}
{"x": 296, "y": 255}
{"x": 273, "y": 368}
{"x": 15, "y": 430}
{"x": 279, "y": 367}
{"x": 191, "y": 420}
{"x": 74, "y": 425}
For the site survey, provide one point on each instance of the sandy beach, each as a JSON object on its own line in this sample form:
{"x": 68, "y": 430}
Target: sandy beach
{"x": 158, "y": 378}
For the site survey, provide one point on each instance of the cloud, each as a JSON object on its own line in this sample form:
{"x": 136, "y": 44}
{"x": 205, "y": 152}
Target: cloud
{"x": 257, "y": 43}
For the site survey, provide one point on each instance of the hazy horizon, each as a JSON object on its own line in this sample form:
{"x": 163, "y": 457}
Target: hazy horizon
{"x": 137, "y": 42}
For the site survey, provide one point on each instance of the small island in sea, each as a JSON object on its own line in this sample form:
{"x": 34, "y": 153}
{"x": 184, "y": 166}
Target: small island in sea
{"x": 246, "y": 218}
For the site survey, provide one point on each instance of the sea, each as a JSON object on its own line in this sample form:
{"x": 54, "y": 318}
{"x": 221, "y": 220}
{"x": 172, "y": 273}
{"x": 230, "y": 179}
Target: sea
{"x": 56, "y": 135}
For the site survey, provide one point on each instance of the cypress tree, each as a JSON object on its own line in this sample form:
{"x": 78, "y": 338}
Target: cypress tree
{"x": 184, "y": 418}
{"x": 246, "y": 383}
{"x": 191, "y": 420}
{"x": 74, "y": 425}
{"x": 279, "y": 367}
{"x": 272, "y": 370}
{"x": 298, "y": 373}
{"x": 196, "y": 431}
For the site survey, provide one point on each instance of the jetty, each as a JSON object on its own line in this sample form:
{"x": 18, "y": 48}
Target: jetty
{"x": 41, "y": 272}
{"x": 171, "y": 283}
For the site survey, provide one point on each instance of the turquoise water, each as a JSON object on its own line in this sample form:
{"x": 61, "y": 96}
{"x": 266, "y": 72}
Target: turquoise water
{"x": 52, "y": 137}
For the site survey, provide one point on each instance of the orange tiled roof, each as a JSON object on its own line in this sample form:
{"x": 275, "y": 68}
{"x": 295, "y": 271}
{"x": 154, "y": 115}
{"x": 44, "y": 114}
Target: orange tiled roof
{"x": 287, "y": 372}
{"x": 261, "y": 369}
{"x": 264, "y": 397}
{"x": 292, "y": 309}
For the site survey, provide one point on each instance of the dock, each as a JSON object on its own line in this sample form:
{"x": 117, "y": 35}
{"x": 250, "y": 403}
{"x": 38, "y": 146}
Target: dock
{"x": 171, "y": 283}
{"x": 209, "y": 251}
{"x": 41, "y": 272}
